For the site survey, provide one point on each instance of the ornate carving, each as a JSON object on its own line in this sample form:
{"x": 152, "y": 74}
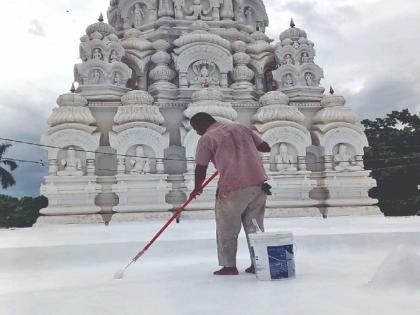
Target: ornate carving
{"x": 137, "y": 15}
{"x": 166, "y": 8}
{"x": 114, "y": 14}
{"x": 344, "y": 160}
{"x": 227, "y": 10}
{"x": 71, "y": 164}
{"x": 204, "y": 71}
{"x": 140, "y": 164}
{"x": 284, "y": 160}
{"x": 179, "y": 9}
{"x": 196, "y": 11}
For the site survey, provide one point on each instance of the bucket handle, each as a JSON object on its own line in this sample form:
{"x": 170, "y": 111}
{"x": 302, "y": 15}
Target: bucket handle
{"x": 257, "y": 227}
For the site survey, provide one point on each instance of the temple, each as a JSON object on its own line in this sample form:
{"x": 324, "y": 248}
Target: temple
{"x": 120, "y": 144}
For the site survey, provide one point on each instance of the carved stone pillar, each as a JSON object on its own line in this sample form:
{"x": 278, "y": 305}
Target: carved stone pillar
{"x": 53, "y": 167}
{"x": 224, "y": 80}
{"x": 359, "y": 161}
{"x": 241, "y": 75}
{"x": 328, "y": 161}
{"x": 162, "y": 74}
{"x": 259, "y": 82}
{"x": 121, "y": 166}
{"x": 160, "y": 167}
{"x": 90, "y": 167}
{"x": 301, "y": 163}
{"x": 183, "y": 79}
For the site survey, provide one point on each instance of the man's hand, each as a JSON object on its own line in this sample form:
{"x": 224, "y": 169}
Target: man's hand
{"x": 200, "y": 177}
{"x": 264, "y": 147}
{"x": 196, "y": 192}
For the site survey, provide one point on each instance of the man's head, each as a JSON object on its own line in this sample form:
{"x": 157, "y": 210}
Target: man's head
{"x": 201, "y": 122}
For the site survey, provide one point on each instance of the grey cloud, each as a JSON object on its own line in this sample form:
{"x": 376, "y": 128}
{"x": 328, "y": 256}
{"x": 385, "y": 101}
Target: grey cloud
{"x": 380, "y": 98}
{"x": 26, "y": 121}
{"x": 36, "y": 28}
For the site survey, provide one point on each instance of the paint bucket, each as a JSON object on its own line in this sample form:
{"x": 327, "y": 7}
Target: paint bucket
{"x": 273, "y": 255}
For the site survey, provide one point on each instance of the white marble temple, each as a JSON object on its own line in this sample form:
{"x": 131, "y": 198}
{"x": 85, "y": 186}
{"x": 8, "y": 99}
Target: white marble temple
{"x": 124, "y": 143}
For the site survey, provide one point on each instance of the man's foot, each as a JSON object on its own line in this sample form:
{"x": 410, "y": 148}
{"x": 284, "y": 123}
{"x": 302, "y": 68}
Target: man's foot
{"x": 250, "y": 269}
{"x": 227, "y": 271}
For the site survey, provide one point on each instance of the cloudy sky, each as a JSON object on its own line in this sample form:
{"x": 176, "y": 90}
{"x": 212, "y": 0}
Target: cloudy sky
{"x": 369, "y": 50}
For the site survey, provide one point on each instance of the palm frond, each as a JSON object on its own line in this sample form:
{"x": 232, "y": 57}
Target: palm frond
{"x": 6, "y": 178}
{"x": 3, "y": 148}
{"x": 12, "y": 164}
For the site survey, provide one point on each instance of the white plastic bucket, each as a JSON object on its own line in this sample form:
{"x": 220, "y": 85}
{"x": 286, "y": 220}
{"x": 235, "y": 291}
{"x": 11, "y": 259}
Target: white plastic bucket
{"x": 273, "y": 255}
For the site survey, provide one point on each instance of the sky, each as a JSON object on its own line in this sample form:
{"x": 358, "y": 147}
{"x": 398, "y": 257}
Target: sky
{"x": 367, "y": 48}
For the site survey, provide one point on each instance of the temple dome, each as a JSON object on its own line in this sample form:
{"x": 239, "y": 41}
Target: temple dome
{"x": 275, "y": 108}
{"x": 293, "y": 33}
{"x": 137, "y": 97}
{"x": 274, "y": 98}
{"x": 334, "y": 111}
{"x": 72, "y": 99}
{"x": 100, "y": 28}
{"x": 72, "y": 110}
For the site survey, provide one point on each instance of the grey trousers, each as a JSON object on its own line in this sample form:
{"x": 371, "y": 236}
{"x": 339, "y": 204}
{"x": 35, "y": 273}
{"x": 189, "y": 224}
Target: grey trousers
{"x": 232, "y": 211}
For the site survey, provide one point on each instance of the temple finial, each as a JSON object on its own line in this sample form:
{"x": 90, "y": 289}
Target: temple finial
{"x": 292, "y": 23}
{"x": 73, "y": 88}
{"x": 332, "y": 90}
{"x": 101, "y": 18}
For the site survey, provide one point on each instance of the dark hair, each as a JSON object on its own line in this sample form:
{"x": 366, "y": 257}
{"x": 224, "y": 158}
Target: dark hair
{"x": 202, "y": 119}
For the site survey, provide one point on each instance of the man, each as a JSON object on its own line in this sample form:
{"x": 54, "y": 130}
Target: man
{"x": 234, "y": 150}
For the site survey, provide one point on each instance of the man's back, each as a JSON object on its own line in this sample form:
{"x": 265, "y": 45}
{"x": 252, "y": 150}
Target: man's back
{"x": 233, "y": 150}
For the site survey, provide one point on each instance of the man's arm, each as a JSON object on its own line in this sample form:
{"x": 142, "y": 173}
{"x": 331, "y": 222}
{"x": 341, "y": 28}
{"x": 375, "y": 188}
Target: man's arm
{"x": 264, "y": 147}
{"x": 260, "y": 144}
{"x": 200, "y": 177}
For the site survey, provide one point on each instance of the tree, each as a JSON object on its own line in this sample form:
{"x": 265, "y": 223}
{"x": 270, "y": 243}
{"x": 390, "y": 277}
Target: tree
{"x": 394, "y": 157}
{"x": 22, "y": 212}
{"x": 6, "y": 178}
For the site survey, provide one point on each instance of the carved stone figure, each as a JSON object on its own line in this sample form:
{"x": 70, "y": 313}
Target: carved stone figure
{"x": 249, "y": 16}
{"x": 305, "y": 57}
{"x": 166, "y": 8}
{"x": 196, "y": 10}
{"x": 72, "y": 165}
{"x": 284, "y": 160}
{"x": 97, "y": 54}
{"x": 95, "y": 77}
{"x": 179, "y": 9}
{"x": 140, "y": 164}
{"x": 296, "y": 45}
{"x": 215, "y": 5}
{"x": 137, "y": 16}
{"x": 309, "y": 79}
{"x": 114, "y": 14}
{"x": 288, "y": 60}
{"x": 344, "y": 160}
{"x": 288, "y": 80}
{"x": 205, "y": 71}
{"x": 113, "y": 57}
{"x": 117, "y": 80}
{"x": 227, "y": 10}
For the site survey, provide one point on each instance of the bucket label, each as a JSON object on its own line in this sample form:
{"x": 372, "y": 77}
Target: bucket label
{"x": 281, "y": 261}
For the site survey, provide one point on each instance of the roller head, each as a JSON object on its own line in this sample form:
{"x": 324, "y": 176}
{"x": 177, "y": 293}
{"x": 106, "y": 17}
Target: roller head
{"x": 119, "y": 275}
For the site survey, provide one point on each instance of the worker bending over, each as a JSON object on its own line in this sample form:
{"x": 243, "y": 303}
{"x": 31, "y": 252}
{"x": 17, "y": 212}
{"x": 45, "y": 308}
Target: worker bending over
{"x": 235, "y": 151}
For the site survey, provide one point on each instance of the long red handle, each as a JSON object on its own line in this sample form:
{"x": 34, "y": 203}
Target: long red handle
{"x": 174, "y": 217}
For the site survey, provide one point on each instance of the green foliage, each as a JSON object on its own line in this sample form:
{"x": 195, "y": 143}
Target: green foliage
{"x": 6, "y": 178}
{"x": 394, "y": 157}
{"x": 20, "y": 212}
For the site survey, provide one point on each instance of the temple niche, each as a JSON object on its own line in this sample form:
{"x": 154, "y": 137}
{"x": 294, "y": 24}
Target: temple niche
{"x": 121, "y": 146}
